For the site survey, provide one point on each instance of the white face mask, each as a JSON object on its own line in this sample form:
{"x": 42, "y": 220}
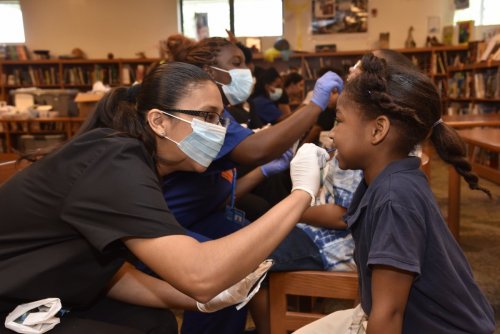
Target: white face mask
{"x": 276, "y": 95}
{"x": 240, "y": 87}
{"x": 204, "y": 143}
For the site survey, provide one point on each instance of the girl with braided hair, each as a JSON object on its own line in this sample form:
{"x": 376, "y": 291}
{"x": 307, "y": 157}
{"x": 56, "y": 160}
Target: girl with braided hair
{"x": 413, "y": 275}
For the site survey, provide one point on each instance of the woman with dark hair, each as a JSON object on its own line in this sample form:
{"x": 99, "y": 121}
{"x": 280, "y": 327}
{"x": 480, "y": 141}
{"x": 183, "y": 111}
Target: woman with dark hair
{"x": 73, "y": 219}
{"x": 202, "y": 202}
{"x": 413, "y": 275}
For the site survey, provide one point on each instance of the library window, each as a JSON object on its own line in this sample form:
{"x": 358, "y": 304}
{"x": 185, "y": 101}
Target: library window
{"x": 210, "y": 18}
{"x": 482, "y": 12}
{"x": 11, "y": 22}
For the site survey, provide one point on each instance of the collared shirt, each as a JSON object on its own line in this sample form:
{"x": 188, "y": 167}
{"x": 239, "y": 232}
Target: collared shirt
{"x": 335, "y": 246}
{"x": 396, "y": 222}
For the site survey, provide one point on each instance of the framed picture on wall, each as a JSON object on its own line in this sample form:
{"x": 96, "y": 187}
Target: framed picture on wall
{"x": 339, "y": 16}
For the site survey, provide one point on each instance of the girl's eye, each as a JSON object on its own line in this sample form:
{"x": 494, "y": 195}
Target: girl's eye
{"x": 336, "y": 122}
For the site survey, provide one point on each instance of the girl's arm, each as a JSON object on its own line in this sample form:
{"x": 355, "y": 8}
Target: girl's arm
{"x": 325, "y": 215}
{"x": 248, "y": 182}
{"x": 285, "y": 111}
{"x": 390, "y": 290}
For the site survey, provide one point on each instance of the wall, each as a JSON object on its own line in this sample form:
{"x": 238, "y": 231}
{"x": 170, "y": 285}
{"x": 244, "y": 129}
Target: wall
{"x": 123, "y": 27}
{"x": 394, "y": 16}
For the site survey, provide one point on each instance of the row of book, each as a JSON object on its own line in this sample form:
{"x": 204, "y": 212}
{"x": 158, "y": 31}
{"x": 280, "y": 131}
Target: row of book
{"x": 14, "y": 52}
{"x": 469, "y": 108}
{"x": 480, "y": 85}
{"x": 79, "y": 75}
{"x": 31, "y": 76}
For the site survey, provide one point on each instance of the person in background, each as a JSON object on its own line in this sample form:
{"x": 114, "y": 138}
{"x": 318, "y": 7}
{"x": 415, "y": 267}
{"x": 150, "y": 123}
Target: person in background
{"x": 413, "y": 275}
{"x": 265, "y": 99}
{"x": 326, "y": 119}
{"x": 202, "y": 202}
{"x": 71, "y": 236}
{"x": 293, "y": 84}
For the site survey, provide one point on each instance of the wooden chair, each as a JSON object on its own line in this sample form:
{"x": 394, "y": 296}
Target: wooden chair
{"x": 327, "y": 284}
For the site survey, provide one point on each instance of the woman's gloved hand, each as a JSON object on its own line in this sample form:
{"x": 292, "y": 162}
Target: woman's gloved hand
{"x": 278, "y": 164}
{"x": 324, "y": 87}
{"x": 305, "y": 168}
{"x": 238, "y": 293}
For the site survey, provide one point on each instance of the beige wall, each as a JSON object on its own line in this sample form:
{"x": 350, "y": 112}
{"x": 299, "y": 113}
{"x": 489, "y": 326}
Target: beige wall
{"x": 394, "y": 16}
{"x": 122, "y": 27}
{"x": 125, "y": 27}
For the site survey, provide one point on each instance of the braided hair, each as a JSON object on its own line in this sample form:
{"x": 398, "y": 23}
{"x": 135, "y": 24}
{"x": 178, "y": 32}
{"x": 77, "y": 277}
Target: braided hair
{"x": 412, "y": 103}
{"x": 202, "y": 53}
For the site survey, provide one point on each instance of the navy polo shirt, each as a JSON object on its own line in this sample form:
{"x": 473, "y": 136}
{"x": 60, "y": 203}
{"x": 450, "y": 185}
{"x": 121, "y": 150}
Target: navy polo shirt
{"x": 265, "y": 109}
{"x": 396, "y": 222}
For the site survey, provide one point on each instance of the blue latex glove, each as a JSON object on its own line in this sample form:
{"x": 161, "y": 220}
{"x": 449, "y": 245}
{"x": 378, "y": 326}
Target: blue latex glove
{"x": 324, "y": 87}
{"x": 277, "y": 165}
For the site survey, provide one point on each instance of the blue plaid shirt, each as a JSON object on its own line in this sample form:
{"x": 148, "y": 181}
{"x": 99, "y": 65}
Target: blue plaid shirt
{"x": 336, "y": 246}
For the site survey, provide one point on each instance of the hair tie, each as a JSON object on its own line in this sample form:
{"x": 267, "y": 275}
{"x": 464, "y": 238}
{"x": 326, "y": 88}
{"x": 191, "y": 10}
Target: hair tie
{"x": 439, "y": 121}
{"x": 132, "y": 92}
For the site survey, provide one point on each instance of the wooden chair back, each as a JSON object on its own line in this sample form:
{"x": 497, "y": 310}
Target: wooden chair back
{"x": 327, "y": 284}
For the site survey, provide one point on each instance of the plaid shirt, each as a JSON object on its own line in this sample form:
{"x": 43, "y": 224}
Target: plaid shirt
{"x": 336, "y": 246}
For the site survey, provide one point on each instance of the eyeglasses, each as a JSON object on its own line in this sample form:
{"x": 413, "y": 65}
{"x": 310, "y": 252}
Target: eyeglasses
{"x": 208, "y": 116}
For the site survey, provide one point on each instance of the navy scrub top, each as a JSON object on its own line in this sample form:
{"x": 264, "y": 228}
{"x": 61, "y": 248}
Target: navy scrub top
{"x": 196, "y": 198}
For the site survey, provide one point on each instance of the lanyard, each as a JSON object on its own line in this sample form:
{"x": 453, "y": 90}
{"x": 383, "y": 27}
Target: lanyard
{"x": 233, "y": 188}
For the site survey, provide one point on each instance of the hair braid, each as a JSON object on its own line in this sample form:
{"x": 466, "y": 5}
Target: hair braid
{"x": 200, "y": 53}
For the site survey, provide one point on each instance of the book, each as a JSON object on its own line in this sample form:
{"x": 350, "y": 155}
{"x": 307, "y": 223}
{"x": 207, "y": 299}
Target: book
{"x": 448, "y": 34}
{"x": 465, "y": 31}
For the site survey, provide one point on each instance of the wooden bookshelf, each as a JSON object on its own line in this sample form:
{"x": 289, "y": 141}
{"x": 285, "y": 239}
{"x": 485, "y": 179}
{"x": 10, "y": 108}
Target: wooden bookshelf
{"x": 68, "y": 73}
{"x": 434, "y": 61}
{"x": 12, "y": 129}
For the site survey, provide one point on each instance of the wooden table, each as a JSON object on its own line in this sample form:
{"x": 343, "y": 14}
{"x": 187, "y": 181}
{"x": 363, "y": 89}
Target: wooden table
{"x": 487, "y": 138}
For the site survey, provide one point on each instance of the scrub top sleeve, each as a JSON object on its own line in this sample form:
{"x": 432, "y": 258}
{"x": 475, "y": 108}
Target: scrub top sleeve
{"x": 235, "y": 134}
{"x": 118, "y": 195}
{"x": 398, "y": 239}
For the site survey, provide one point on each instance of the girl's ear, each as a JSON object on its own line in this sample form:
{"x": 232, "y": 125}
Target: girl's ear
{"x": 381, "y": 127}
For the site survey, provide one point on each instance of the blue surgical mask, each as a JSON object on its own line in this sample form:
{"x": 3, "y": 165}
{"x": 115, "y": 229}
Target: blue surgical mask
{"x": 240, "y": 87}
{"x": 276, "y": 95}
{"x": 204, "y": 143}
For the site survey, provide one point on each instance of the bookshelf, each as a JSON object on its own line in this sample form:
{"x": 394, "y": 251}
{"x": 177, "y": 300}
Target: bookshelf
{"x": 434, "y": 61}
{"x": 38, "y": 131}
{"x": 69, "y": 73}
{"x": 474, "y": 88}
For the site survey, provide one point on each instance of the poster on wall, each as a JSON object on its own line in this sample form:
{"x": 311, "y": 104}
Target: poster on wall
{"x": 339, "y": 16}
{"x": 201, "y": 21}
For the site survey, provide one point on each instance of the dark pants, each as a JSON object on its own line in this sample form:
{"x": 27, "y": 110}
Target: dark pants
{"x": 109, "y": 316}
{"x": 225, "y": 321}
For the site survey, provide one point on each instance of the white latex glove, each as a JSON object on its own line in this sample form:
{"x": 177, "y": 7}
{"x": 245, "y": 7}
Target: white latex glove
{"x": 305, "y": 168}
{"x": 239, "y": 293}
{"x": 35, "y": 317}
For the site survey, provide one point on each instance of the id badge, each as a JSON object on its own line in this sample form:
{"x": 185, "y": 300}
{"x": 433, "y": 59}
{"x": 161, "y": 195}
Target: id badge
{"x": 235, "y": 215}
